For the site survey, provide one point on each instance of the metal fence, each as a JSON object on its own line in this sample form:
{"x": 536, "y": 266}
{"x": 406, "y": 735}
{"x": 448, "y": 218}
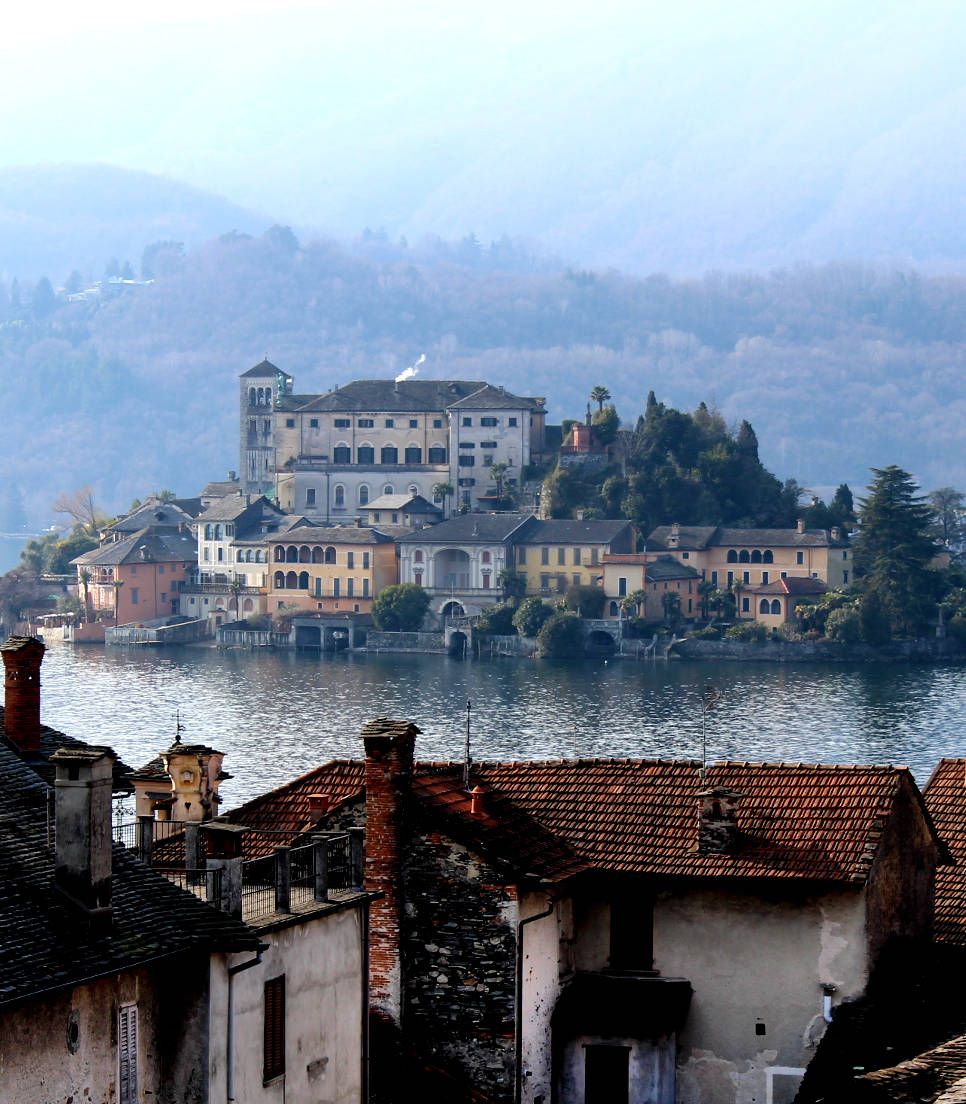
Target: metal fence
{"x": 167, "y": 845}
{"x": 203, "y": 884}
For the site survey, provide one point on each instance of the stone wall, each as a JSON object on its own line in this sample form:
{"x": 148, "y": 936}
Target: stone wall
{"x": 821, "y": 651}
{"x": 405, "y": 642}
{"x": 459, "y": 940}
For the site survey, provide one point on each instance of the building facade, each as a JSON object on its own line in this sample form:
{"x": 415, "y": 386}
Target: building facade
{"x": 553, "y": 555}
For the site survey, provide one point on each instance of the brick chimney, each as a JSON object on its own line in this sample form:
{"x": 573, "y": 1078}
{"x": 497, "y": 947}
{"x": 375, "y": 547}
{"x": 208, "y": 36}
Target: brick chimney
{"x": 717, "y": 820}
{"x": 82, "y": 857}
{"x": 22, "y": 657}
{"x": 389, "y": 747}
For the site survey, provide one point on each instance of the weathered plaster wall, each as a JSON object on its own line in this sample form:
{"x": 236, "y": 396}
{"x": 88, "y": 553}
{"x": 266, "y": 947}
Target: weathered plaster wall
{"x": 322, "y": 962}
{"x": 548, "y": 958}
{"x": 650, "y": 1072}
{"x": 459, "y": 952}
{"x": 755, "y": 960}
{"x": 42, "y": 1059}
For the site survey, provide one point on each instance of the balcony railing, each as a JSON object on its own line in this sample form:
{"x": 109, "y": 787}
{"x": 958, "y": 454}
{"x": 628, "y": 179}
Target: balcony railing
{"x": 220, "y": 588}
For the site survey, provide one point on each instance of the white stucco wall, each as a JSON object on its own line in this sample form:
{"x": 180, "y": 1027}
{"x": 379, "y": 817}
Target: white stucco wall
{"x": 322, "y": 961}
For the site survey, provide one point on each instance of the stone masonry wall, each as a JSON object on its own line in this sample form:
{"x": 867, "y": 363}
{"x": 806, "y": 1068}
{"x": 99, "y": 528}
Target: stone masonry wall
{"x": 459, "y": 939}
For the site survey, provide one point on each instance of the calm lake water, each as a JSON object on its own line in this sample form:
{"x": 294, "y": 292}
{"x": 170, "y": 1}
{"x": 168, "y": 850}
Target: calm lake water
{"x": 277, "y": 715}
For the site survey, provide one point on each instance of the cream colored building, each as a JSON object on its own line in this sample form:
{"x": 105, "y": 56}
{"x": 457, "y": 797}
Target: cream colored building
{"x": 553, "y": 555}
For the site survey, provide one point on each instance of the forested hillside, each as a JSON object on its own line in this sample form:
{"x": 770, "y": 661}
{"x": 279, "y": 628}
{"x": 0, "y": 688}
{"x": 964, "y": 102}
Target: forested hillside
{"x": 838, "y": 368}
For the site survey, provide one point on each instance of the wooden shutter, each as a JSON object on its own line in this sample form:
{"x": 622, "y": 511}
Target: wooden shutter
{"x": 127, "y": 1054}
{"x": 274, "y": 1049}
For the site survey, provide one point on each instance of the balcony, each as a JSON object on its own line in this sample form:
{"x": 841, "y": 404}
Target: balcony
{"x": 219, "y": 588}
{"x": 321, "y": 463}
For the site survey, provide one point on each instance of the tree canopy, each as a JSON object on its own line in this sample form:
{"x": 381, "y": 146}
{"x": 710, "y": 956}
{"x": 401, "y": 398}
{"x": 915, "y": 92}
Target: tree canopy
{"x": 400, "y": 608}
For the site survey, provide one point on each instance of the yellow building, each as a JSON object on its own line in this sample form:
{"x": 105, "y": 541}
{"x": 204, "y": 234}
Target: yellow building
{"x": 329, "y": 569}
{"x": 553, "y": 555}
{"x": 625, "y": 575}
{"x": 740, "y": 559}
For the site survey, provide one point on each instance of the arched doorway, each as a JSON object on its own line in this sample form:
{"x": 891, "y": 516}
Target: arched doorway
{"x": 457, "y": 645}
{"x": 453, "y": 609}
{"x": 599, "y": 643}
{"x": 451, "y": 569}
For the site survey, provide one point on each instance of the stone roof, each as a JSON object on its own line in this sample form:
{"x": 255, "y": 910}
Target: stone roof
{"x": 408, "y": 503}
{"x": 945, "y": 797}
{"x": 264, "y": 368}
{"x": 573, "y": 532}
{"x": 145, "y": 546}
{"x": 698, "y": 537}
{"x": 386, "y": 396}
{"x": 799, "y": 821}
{"x": 219, "y": 488}
{"x": 937, "y": 1076}
{"x": 661, "y": 570}
{"x": 489, "y": 397}
{"x": 310, "y": 533}
{"x": 46, "y": 947}
{"x": 472, "y": 529}
{"x": 152, "y": 515}
{"x": 234, "y": 505}
{"x": 791, "y": 584}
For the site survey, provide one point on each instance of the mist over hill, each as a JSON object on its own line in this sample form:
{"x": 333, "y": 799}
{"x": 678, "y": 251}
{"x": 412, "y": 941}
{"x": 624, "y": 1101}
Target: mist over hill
{"x": 838, "y": 367}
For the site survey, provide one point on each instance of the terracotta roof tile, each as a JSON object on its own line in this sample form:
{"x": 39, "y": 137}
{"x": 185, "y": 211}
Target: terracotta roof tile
{"x": 945, "y": 796}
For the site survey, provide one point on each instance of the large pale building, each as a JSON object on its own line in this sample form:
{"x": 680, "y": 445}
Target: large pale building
{"x": 327, "y": 456}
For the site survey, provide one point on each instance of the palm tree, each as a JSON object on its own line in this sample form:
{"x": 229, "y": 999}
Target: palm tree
{"x": 600, "y": 395}
{"x": 236, "y": 586}
{"x": 671, "y": 604}
{"x": 441, "y": 492}
{"x": 705, "y": 589}
{"x": 85, "y": 578}
{"x": 736, "y": 588}
{"x": 634, "y": 603}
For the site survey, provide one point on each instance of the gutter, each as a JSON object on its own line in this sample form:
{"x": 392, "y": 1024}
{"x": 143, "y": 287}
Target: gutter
{"x": 518, "y": 1017}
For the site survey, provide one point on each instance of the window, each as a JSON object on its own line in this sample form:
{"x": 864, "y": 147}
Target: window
{"x": 350, "y": 558}
{"x": 413, "y": 423}
{"x": 390, "y": 423}
{"x": 313, "y": 423}
{"x": 732, "y": 556}
{"x": 756, "y": 556}
{"x": 561, "y": 555}
{"x": 511, "y": 421}
{"x": 845, "y": 555}
{"x": 621, "y": 588}
{"x": 485, "y": 557}
{"x": 467, "y": 461}
{"x": 845, "y": 576}
{"x": 290, "y": 423}
{"x": 593, "y": 557}
{"x": 127, "y": 1054}
{"x": 467, "y": 422}
{"x": 776, "y": 606}
{"x": 561, "y": 584}
{"x": 365, "y": 423}
{"x": 467, "y": 483}
{"x": 467, "y": 445}
{"x": 544, "y": 582}
{"x": 365, "y": 585}
{"x": 413, "y": 454}
{"x": 365, "y": 559}
{"x": 714, "y": 578}
{"x": 744, "y": 605}
{"x": 575, "y": 578}
{"x": 768, "y": 556}
{"x": 731, "y": 578}
{"x": 521, "y": 555}
{"x": 437, "y": 423}
{"x": 746, "y": 576}
{"x": 310, "y": 496}
{"x": 764, "y": 578}
{"x": 784, "y": 574}
{"x": 389, "y": 455}
{"x": 365, "y": 454}
{"x": 488, "y": 444}
{"x": 437, "y": 455}
{"x": 336, "y": 587}
{"x": 489, "y": 422}
{"x": 221, "y": 555}
{"x": 338, "y": 496}
{"x": 799, "y": 557}
{"x": 350, "y": 587}
{"x": 303, "y": 580}
{"x": 389, "y": 489}
{"x": 544, "y": 556}
{"x": 160, "y": 569}
{"x": 342, "y": 423}
{"x": 486, "y": 580}
{"x": 685, "y": 555}
{"x": 631, "y": 932}
{"x": 135, "y": 593}
{"x": 363, "y": 495}
{"x": 274, "y": 1039}
{"x": 763, "y": 606}
{"x": 743, "y": 556}
{"x": 341, "y": 454}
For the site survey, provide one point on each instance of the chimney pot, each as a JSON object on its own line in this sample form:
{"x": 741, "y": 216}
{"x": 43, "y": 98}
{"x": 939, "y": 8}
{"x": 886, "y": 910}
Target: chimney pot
{"x": 82, "y": 863}
{"x": 318, "y": 806}
{"x": 717, "y": 820}
{"x": 476, "y": 801}
{"x": 22, "y": 657}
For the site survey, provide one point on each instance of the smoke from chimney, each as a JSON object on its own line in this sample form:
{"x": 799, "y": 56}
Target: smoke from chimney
{"x": 411, "y": 371}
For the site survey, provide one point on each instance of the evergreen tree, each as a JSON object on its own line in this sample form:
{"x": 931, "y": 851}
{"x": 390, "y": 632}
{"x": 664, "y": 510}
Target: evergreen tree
{"x": 42, "y": 300}
{"x": 894, "y": 548}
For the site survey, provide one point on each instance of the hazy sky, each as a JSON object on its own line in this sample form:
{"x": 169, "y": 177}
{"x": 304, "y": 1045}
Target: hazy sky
{"x": 605, "y": 126}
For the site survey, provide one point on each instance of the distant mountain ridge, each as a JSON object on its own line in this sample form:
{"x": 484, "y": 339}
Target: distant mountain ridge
{"x": 55, "y": 218}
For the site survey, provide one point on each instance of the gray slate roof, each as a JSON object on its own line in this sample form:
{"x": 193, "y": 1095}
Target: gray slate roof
{"x": 46, "y": 945}
{"x": 661, "y": 570}
{"x": 153, "y": 515}
{"x": 496, "y": 398}
{"x": 308, "y": 532}
{"x": 564, "y": 531}
{"x": 697, "y": 537}
{"x": 145, "y": 546}
{"x": 234, "y": 505}
{"x": 386, "y": 396}
{"x": 409, "y": 503}
{"x": 471, "y": 529}
{"x": 263, "y": 368}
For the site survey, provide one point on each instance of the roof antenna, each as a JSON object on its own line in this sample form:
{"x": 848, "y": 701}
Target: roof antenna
{"x": 178, "y": 727}
{"x": 467, "y": 759}
{"x": 709, "y": 699}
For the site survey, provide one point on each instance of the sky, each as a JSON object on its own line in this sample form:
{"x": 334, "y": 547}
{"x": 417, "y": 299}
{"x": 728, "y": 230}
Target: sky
{"x": 643, "y": 135}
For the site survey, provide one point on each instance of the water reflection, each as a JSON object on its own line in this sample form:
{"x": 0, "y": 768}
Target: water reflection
{"x": 277, "y": 715}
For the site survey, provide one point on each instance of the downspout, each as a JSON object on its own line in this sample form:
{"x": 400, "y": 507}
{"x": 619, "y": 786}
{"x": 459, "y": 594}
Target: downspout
{"x": 518, "y": 1033}
{"x": 230, "y": 1022}
{"x": 364, "y": 1094}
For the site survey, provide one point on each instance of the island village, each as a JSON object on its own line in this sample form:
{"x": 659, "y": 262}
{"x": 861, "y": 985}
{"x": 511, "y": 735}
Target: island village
{"x": 386, "y": 928}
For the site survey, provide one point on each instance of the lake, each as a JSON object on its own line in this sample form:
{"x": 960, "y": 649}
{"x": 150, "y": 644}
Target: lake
{"x": 276, "y": 715}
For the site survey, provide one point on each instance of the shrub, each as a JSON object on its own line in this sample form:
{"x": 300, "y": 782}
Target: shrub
{"x": 530, "y": 616}
{"x": 747, "y": 631}
{"x": 400, "y": 608}
{"x": 497, "y": 621}
{"x": 588, "y": 601}
{"x": 709, "y": 632}
{"x": 562, "y": 636}
{"x": 844, "y": 625}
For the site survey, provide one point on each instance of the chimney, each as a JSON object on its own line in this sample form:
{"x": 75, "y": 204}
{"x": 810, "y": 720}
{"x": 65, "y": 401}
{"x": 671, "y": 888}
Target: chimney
{"x": 22, "y": 657}
{"x": 476, "y": 801}
{"x": 801, "y": 525}
{"x": 675, "y": 538}
{"x": 318, "y": 806}
{"x": 82, "y": 857}
{"x": 232, "y": 476}
{"x": 836, "y": 533}
{"x": 717, "y": 820}
{"x": 389, "y": 747}
{"x": 195, "y": 773}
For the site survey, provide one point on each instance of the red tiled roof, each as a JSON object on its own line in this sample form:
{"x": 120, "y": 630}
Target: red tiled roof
{"x": 557, "y": 817}
{"x": 945, "y": 796}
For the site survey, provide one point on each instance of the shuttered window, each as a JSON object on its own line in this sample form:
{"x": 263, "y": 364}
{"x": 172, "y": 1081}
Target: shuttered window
{"x": 274, "y": 1065}
{"x": 127, "y": 1054}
